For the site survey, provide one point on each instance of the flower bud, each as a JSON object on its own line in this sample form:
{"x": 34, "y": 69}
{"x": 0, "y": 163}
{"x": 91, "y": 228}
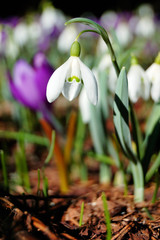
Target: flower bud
{"x": 134, "y": 60}
{"x": 75, "y": 49}
{"x": 157, "y": 60}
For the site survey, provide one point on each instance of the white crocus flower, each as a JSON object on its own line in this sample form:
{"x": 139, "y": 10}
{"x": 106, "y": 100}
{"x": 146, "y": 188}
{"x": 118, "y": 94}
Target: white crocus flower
{"x": 153, "y": 73}
{"x": 69, "y": 78}
{"x": 138, "y": 83}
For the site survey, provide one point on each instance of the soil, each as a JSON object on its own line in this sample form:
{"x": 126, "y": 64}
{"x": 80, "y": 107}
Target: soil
{"x": 32, "y": 216}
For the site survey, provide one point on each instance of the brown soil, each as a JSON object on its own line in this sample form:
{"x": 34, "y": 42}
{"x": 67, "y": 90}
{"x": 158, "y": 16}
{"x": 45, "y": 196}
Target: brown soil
{"x": 33, "y": 216}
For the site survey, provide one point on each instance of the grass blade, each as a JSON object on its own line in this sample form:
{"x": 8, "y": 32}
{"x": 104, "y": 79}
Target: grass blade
{"x": 107, "y": 217}
{"x": 81, "y": 214}
{"x": 4, "y": 170}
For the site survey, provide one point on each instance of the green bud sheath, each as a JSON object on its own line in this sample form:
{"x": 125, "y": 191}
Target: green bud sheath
{"x": 75, "y": 49}
{"x": 157, "y": 60}
{"x": 134, "y": 60}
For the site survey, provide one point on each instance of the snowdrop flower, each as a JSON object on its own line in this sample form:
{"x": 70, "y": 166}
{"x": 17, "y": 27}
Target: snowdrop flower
{"x": 11, "y": 49}
{"x": 50, "y": 18}
{"x": 69, "y": 34}
{"x": 34, "y": 30}
{"x": 145, "y": 27}
{"x": 138, "y": 82}
{"x": 124, "y": 33}
{"x": 20, "y": 33}
{"x": 106, "y": 64}
{"x": 70, "y": 77}
{"x": 153, "y": 73}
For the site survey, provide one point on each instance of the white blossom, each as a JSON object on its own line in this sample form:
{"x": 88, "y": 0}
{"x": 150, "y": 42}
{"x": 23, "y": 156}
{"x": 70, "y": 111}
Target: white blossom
{"x": 138, "y": 83}
{"x": 69, "y": 79}
{"x": 153, "y": 73}
{"x": 20, "y": 34}
{"x": 84, "y": 106}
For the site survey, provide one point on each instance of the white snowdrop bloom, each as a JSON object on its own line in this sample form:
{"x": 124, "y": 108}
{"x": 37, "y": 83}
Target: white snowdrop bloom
{"x": 70, "y": 77}
{"x": 84, "y": 106}
{"x": 138, "y": 83}
{"x": 106, "y": 64}
{"x": 112, "y": 79}
{"x": 153, "y": 73}
{"x": 69, "y": 34}
{"x": 101, "y": 46}
{"x": 109, "y": 19}
{"x": 145, "y": 27}
{"x": 11, "y": 49}
{"x": 123, "y": 33}
{"x": 50, "y": 18}
{"x": 34, "y": 31}
{"x": 145, "y": 9}
{"x": 155, "y": 90}
{"x": 20, "y": 33}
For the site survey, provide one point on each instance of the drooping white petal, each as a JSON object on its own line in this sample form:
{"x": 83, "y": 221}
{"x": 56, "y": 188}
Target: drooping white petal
{"x": 71, "y": 90}
{"x": 84, "y": 105}
{"x": 56, "y": 81}
{"x": 155, "y": 90}
{"x": 73, "y": 84}
{"x": 75, "y": 67}
{"x": 90, "y": 83}
{"x": 153, "y": 71}
{"x": 134, "y": 83}
{"x": 138, "y": 83}
{"x": 145, "y": 86}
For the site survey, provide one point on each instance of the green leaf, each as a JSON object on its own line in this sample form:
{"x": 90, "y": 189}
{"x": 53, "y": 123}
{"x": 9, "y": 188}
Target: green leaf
{"x": 151, "y": 141}
{"x": 151, "y": 144}
{"x": 107, "y": 217}
{"x": 121, "y": 115}
{"x": 153, "y": 168}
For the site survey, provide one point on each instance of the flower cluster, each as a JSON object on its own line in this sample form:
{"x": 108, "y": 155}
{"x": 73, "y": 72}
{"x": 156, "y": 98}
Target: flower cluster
{"x": 144, "y": 83}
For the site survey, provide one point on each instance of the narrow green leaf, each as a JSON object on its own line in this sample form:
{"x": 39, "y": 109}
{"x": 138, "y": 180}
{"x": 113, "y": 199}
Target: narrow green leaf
{"x": 151, "y": 145}
{"x": 107, "y": 217}
{"x": 121, "y": 115}
{"x": 102, "y": 158}
{"x": 50, "y": 154}
{"x": 4, "y": 170}
{"x": 153, "y": 168}
{"x": 97, "y": 129}
{"x": 81, "y": 214}
{"x": 27, "y": 137}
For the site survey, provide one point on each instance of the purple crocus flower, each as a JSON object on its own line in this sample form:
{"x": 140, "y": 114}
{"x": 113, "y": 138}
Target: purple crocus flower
{"x": 28, "y": 85}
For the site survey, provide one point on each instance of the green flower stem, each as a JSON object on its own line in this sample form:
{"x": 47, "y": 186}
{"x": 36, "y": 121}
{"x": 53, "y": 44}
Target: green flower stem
{"x": 101, "y": 31}
{"x": 84, "y": 31}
